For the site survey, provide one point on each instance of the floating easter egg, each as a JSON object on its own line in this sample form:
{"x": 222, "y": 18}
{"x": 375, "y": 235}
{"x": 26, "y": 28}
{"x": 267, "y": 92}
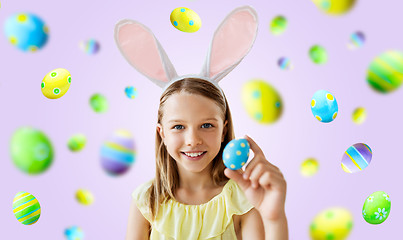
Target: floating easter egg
{"x": 31, "y": 150}
{"x": 56, "y": 83}
{"x": 77, "y": 142}
{"x": 357, "y": 40}
{"x": 278, "y": 25}
{"x": 90, "y": 46}
{"x": 74, "y": 233}
{"x": 84, "y": 197}
{"x": 356, "y": 158}
{"x": 284, "y": 63}
{"x": 236, "y": 153}
{"x": 26, "y": 31}
{"x": 376, "y": 208}
{"x": 318, "y": 54}
{"x": 309, "y": 167}
{"x": 26, "y": 208}
{"x": 359, "y": 115}
{"x": 324, "y": 106}
{"x": 118, "y": 153}
{"x": 334, "y": 7}
{"x": 385, "y": 73}
{"x": 261, "y": 101}
{"x": 332, "y": 223}
{"x": 185, "y": 20}
{"x": 98, "y": 103}
{"x": 131, "y": 92}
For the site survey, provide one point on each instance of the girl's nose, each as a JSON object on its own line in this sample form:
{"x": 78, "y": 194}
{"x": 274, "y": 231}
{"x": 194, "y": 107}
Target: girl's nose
{"x": 193, "y": 138}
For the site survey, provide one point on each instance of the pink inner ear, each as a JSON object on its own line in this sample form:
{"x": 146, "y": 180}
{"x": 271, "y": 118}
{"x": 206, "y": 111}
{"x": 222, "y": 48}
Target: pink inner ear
{"x": 141, "y": 50}
{"x": 232, "y": 41}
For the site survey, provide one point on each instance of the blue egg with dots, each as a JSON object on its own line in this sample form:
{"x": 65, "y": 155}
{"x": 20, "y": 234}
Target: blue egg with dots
{"x": 236, "y": 153}
{"x": 324, "y": 106}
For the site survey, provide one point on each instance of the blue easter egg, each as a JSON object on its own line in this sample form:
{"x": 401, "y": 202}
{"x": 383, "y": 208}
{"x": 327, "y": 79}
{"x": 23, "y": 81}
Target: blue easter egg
{"x": 324, "y": 106}
{"x": 236, "y": 153}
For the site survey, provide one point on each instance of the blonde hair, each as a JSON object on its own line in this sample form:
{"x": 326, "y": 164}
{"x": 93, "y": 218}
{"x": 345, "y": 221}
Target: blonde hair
{"x": 166, "y": 179}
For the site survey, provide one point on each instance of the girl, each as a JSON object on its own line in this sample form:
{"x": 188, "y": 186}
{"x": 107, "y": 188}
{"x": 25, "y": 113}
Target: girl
{"x": 193, "y": 195}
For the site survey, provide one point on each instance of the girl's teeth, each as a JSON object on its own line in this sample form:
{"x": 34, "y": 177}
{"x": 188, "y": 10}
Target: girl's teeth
{"x": 194, "y": 154}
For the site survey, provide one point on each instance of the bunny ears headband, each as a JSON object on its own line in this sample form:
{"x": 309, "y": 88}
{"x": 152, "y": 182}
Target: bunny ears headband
{"x": 231, "y": 42}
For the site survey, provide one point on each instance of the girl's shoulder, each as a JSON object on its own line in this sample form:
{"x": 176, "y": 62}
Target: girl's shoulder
{"x": 140, "y": 191}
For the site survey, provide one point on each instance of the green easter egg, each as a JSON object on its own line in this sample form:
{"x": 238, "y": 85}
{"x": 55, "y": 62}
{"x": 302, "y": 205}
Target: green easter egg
{"x": 318, "y": 54}
{"x": 278, "y": 25}
{"x": 77, "y": 142}
{"x": 376, "y": 208}
{"x": 26, "y": 208}
{"x": 98, "y": 103}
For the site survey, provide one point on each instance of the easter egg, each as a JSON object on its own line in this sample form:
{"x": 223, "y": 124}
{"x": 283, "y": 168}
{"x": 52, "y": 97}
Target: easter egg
{"x": 185, "y": 20}
{"x": 84, "y": 197}
{"x": 131, "y": 92}
{"x": 284, "y": 63}
{"x": 333, "y": 223}
{"x": 26, "y": 208}
{"x": 98, "y": 103}
{"x": 385, "y": 73}
{"x": 309, "y": 167}
{"x": 56, "y": 83}
{"x": 74, "y": 233}
{"x": 90, "y": 46}
{"x": 118, "y": 153}
{"x": 376, "y": 208}
{"x": 356, "y": 158}
{"x": 236, "y": 153}
{"x": 334, "y": 7}
{"x": 77, "y": 142}
{"x": 324, "y": 106}
{"x": 261, "y": 101}
{"x": 357, "y": 40}
{"x": 318, "y": 54}
{"x": 278, "y": 25}
{"x": 31, "y": 150}
{"x": 26, "y": 31}
{"x": 359, "y": 115}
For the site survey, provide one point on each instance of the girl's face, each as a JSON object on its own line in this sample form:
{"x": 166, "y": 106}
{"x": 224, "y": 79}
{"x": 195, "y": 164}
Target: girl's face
{"x": 192, "y": 129}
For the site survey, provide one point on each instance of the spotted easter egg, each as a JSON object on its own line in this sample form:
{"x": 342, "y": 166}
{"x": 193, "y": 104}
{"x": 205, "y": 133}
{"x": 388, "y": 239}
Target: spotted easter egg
{"x": 74, "y": 233}
{"x": 357, "y": 40}
{"x": 356, "y": 158}
{"x": 376, "y": 208}
{"x": 85, "y": 197}
{"x": 185, "y": 20}
{"x": 334, "y": 7}
{"x": 318, "y": 54}
{"x": 278, "y": 25}
{"x": 261, "y": 101}
{"x": 90, "y": 46}
{"x": 56, "y": 83}
{"x": 236, "y": 153}
{"x": 284, "y": 63}
{"x": 131, "y": 92}
{"x": 333, "y": 223}
{"x": 31, "y": 150}
{"x": 309, "y": 167}
{"x": 99, "y": 103}
{"x": 385, "y": 73}
{"x": 77, "y": 142}
{"x": 26, "y": 208}
{"x": 359, "y": 115}
{"x": 324, "y": 106}
{"x": 26, "y": 31}
{"x": 118, "y": 153}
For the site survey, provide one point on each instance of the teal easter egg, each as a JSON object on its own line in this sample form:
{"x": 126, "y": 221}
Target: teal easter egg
{"x": 376, "y": 208}
{"x": 318, "y": 54}
{"x": 99, "y": 103}
{"x": 385, "y": 73}
{"x": 77, "y": 142}
{"x": 26, "y": 31}
{"x": 324, "y": 106}
{"x": 236, "y": 153}
{"x": 31, "y": 150}
{"x": 131, "y": 92}
{"x": 356, "y": 158}
{"x": 278, "y": 25}
{"x": 26, "y": 208}
{"x": 74, "y": 233}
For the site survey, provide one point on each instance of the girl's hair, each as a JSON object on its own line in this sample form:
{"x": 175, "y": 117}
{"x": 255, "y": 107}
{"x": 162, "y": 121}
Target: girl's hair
{"x": 166, "y": 179}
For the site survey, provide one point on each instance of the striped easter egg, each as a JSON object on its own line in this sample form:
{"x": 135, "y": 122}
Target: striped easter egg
{"x": 26, "y": 208}
{"x": 117, "y": 153}
{"x": 356, "y": 158}
{"x": 385, "y": 73}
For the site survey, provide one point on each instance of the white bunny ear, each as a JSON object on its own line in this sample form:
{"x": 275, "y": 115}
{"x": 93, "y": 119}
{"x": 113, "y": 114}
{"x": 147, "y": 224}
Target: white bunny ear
{"x": 143, "y": 51}
{"x": 231, "y": 42}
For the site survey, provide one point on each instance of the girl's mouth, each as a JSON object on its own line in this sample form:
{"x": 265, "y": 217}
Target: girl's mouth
{"x": 194, "y": 157}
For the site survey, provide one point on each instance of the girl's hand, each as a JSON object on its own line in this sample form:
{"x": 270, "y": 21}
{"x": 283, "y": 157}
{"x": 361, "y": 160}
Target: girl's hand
{"x": 262, "y": 183}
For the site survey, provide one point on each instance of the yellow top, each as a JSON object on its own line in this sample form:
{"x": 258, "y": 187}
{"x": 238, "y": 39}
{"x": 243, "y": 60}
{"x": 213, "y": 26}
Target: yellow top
{"x": 211, "y": 220}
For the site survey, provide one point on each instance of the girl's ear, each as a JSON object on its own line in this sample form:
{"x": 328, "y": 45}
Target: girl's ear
{"x": 160, "y": 131}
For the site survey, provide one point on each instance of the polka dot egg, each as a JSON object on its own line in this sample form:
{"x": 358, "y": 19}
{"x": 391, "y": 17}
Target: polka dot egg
{"x": 26, "y": 208}
{"x": 56, "y": 83}
{"x": 236, "y": 153}
{"x": 185, "y": 20}
{"x": 334, "y": 7}
{"x": 74, "y": 233}
{"x": 333, "y": 223}
{"x": 309, "y": 167}
{"x": 356, "y": 158}
{"x": 324, "y": 106}
{"x": 376, "y": 208}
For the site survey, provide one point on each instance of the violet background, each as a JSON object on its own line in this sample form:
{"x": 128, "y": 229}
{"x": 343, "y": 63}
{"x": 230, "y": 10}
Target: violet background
{"x": 296, "y": 136}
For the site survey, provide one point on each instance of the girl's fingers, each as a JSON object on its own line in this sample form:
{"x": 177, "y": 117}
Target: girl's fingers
{"x": 268, "y": 181}
{"x": 249, "y": 168}
{"x": 255, "y": 148}
{"x": 237, "y": 177}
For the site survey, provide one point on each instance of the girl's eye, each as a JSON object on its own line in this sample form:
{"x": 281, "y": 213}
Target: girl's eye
{"x": 178, "y": 127}
{"x": 207, "y": 125}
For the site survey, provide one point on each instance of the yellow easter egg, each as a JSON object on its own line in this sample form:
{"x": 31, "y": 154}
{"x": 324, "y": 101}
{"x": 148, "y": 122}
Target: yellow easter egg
{"x": 333, "y": 223}
{"x": 261, "y": 101}
{"x": 359, "y": 115}
{"x": 84, "y": 197}
{"x": 185, "y": 20}
{"x": 309, "y": 167}
{"x": 56, "y": 83}
{"x": 334, "y": 7}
